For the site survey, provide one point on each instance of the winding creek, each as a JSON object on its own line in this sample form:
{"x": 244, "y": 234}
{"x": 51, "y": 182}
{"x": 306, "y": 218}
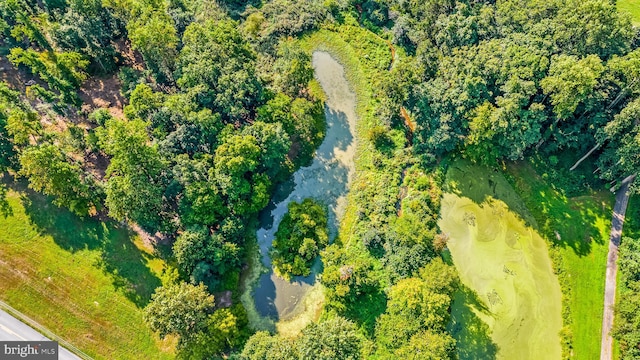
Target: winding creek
{"x": 326, "y": 180}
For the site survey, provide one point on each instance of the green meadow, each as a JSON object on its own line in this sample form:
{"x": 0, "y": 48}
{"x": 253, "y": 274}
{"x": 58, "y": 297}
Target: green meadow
{"x": 83, "y": 279}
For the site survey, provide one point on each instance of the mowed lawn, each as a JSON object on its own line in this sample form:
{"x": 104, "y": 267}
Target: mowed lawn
{"x": 579, "y": 227}
{"x": 632, "y": 7}
{"x": 85, "y": 280}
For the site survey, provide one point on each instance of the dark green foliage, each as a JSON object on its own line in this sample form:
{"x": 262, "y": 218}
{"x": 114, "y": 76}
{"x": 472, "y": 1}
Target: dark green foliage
{"x": 301, "y": 235}
{"x": 236, "y": 168}
{"x": 282, "y": 18}
{"x": 154, "y": 35}
{"x": 205, "y": 258}
{"x": 263, "y": 346}
{"x": 217, "y": 63}
{"x": 89, "y": 28}
{"x": 302, "y": 119}
{"x": 225, "y": 329}
{"x": 620, "y": 157}
{"x": 135, "y": 183}
{"x": 292, "y": 69}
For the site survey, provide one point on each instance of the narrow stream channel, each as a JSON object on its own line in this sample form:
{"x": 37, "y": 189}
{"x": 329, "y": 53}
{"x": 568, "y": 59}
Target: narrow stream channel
{"x": 326, "y": 180}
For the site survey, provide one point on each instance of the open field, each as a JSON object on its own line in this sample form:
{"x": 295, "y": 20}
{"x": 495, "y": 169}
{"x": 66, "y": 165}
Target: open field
{"x": 578, "y": 227}
{"x": 505, "y": 262}
{"x": 83, "y": 279}
{"x": 632, "y": 7}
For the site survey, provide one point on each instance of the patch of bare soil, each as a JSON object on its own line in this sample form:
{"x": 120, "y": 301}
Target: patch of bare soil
{"x": 102, "y": 92}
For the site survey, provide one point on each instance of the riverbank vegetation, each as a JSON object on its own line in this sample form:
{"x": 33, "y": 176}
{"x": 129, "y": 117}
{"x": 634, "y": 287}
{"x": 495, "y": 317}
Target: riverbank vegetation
{"x": 180, "y": 118}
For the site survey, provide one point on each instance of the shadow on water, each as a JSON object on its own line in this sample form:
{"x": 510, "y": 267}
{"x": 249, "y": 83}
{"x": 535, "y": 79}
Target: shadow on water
{"x": 119, "y": 256}
{"x": 473, "y": 338}
{"x": 325, "y": 180}
{"x": 338, "y": 134}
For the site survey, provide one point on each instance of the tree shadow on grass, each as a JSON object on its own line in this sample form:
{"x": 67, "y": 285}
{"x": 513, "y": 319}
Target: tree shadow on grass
{"x": 125, "y": 264}
{"x": 473, "y": 338}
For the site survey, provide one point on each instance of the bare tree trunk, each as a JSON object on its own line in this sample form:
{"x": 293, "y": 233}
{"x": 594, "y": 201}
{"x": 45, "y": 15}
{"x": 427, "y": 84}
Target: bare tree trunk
{"x": 584, "y": 157}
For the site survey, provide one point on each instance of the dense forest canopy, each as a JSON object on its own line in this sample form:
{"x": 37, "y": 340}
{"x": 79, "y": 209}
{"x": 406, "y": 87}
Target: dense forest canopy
{"x": 221, "y": 108}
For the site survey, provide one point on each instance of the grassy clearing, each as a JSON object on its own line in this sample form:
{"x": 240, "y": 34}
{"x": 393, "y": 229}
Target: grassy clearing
{"x": 505, "y": 262}
{"x": 578, "y": 227}
{"x": 632, "y": 7}
{"x": 83, "y": 279}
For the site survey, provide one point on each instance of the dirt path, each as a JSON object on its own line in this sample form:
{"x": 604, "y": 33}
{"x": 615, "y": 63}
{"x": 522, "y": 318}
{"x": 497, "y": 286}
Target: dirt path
{"x": 622, "y": 199}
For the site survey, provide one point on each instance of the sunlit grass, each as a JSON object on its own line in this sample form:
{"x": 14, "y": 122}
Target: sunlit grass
{"x": 632, "y": 7}
{"x": 83, "y": 279}
{"x": 578, "y": 228}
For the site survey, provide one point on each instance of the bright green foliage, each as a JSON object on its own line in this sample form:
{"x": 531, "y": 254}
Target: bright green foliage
{"x": 292, "y": 69}
{"x": 570, "y": 82}
{"x": 336, "y": 338}
{"x": 143, "y": 102}
{"x": 302, "y": 119}
{"x": 134, "y": 185}
{"x": 205, "y": 258}
{"x": 225, "y": 329}
{"x": 416, "y": 305}
{"x": 217, "y": 63}
{"x": 274, "y": 143}
{"x": 50, "y": 172}
{"x": 301, "y": 235}
{"x": 627, "y": 323}
{"x": 235, "y": 166}
{"x": 202, "y": 201}
{"x": 23, "y": 126}
{"x": 280, "y": 18}
{"x": 62, "y": 71}
{"x": 181, "y": 309}
{"x": 263, "y": 346}
{"x": 153, "y": 34}
{"x": 21, "y": 22}
{"x": 427, "y": 345}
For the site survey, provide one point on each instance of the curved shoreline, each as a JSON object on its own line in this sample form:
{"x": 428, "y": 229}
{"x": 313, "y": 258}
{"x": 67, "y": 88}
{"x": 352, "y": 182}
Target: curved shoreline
{"x": 327, "y": 179}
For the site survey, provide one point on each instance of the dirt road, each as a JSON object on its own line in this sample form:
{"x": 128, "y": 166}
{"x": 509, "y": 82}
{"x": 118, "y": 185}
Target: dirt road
{"x": 622, "y": 199}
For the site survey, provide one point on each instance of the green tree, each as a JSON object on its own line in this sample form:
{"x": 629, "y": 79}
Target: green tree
{"x": 275, "y": 145}
{"x": 225, "y": 329}
{"x": 50, "y": 172}
{"x": 570, "y": 82}
{"x": 621, "y": 136}
{"x": 336, "y": 338}
{"x": 219, "y": 64}
{"x": 180, "y": 309}
{"x": 205, "y": 258}
{"x": 263, "y": 346}
{"x": 427, "y": 345}
{"x": 90, "y": 28}
{"x": 153, "y": 34}
{"x": 301, "y": 235}
{"x": 235, "y": 166}
{"x": 292, "y": 69}
{"x": 135, "y": 176}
